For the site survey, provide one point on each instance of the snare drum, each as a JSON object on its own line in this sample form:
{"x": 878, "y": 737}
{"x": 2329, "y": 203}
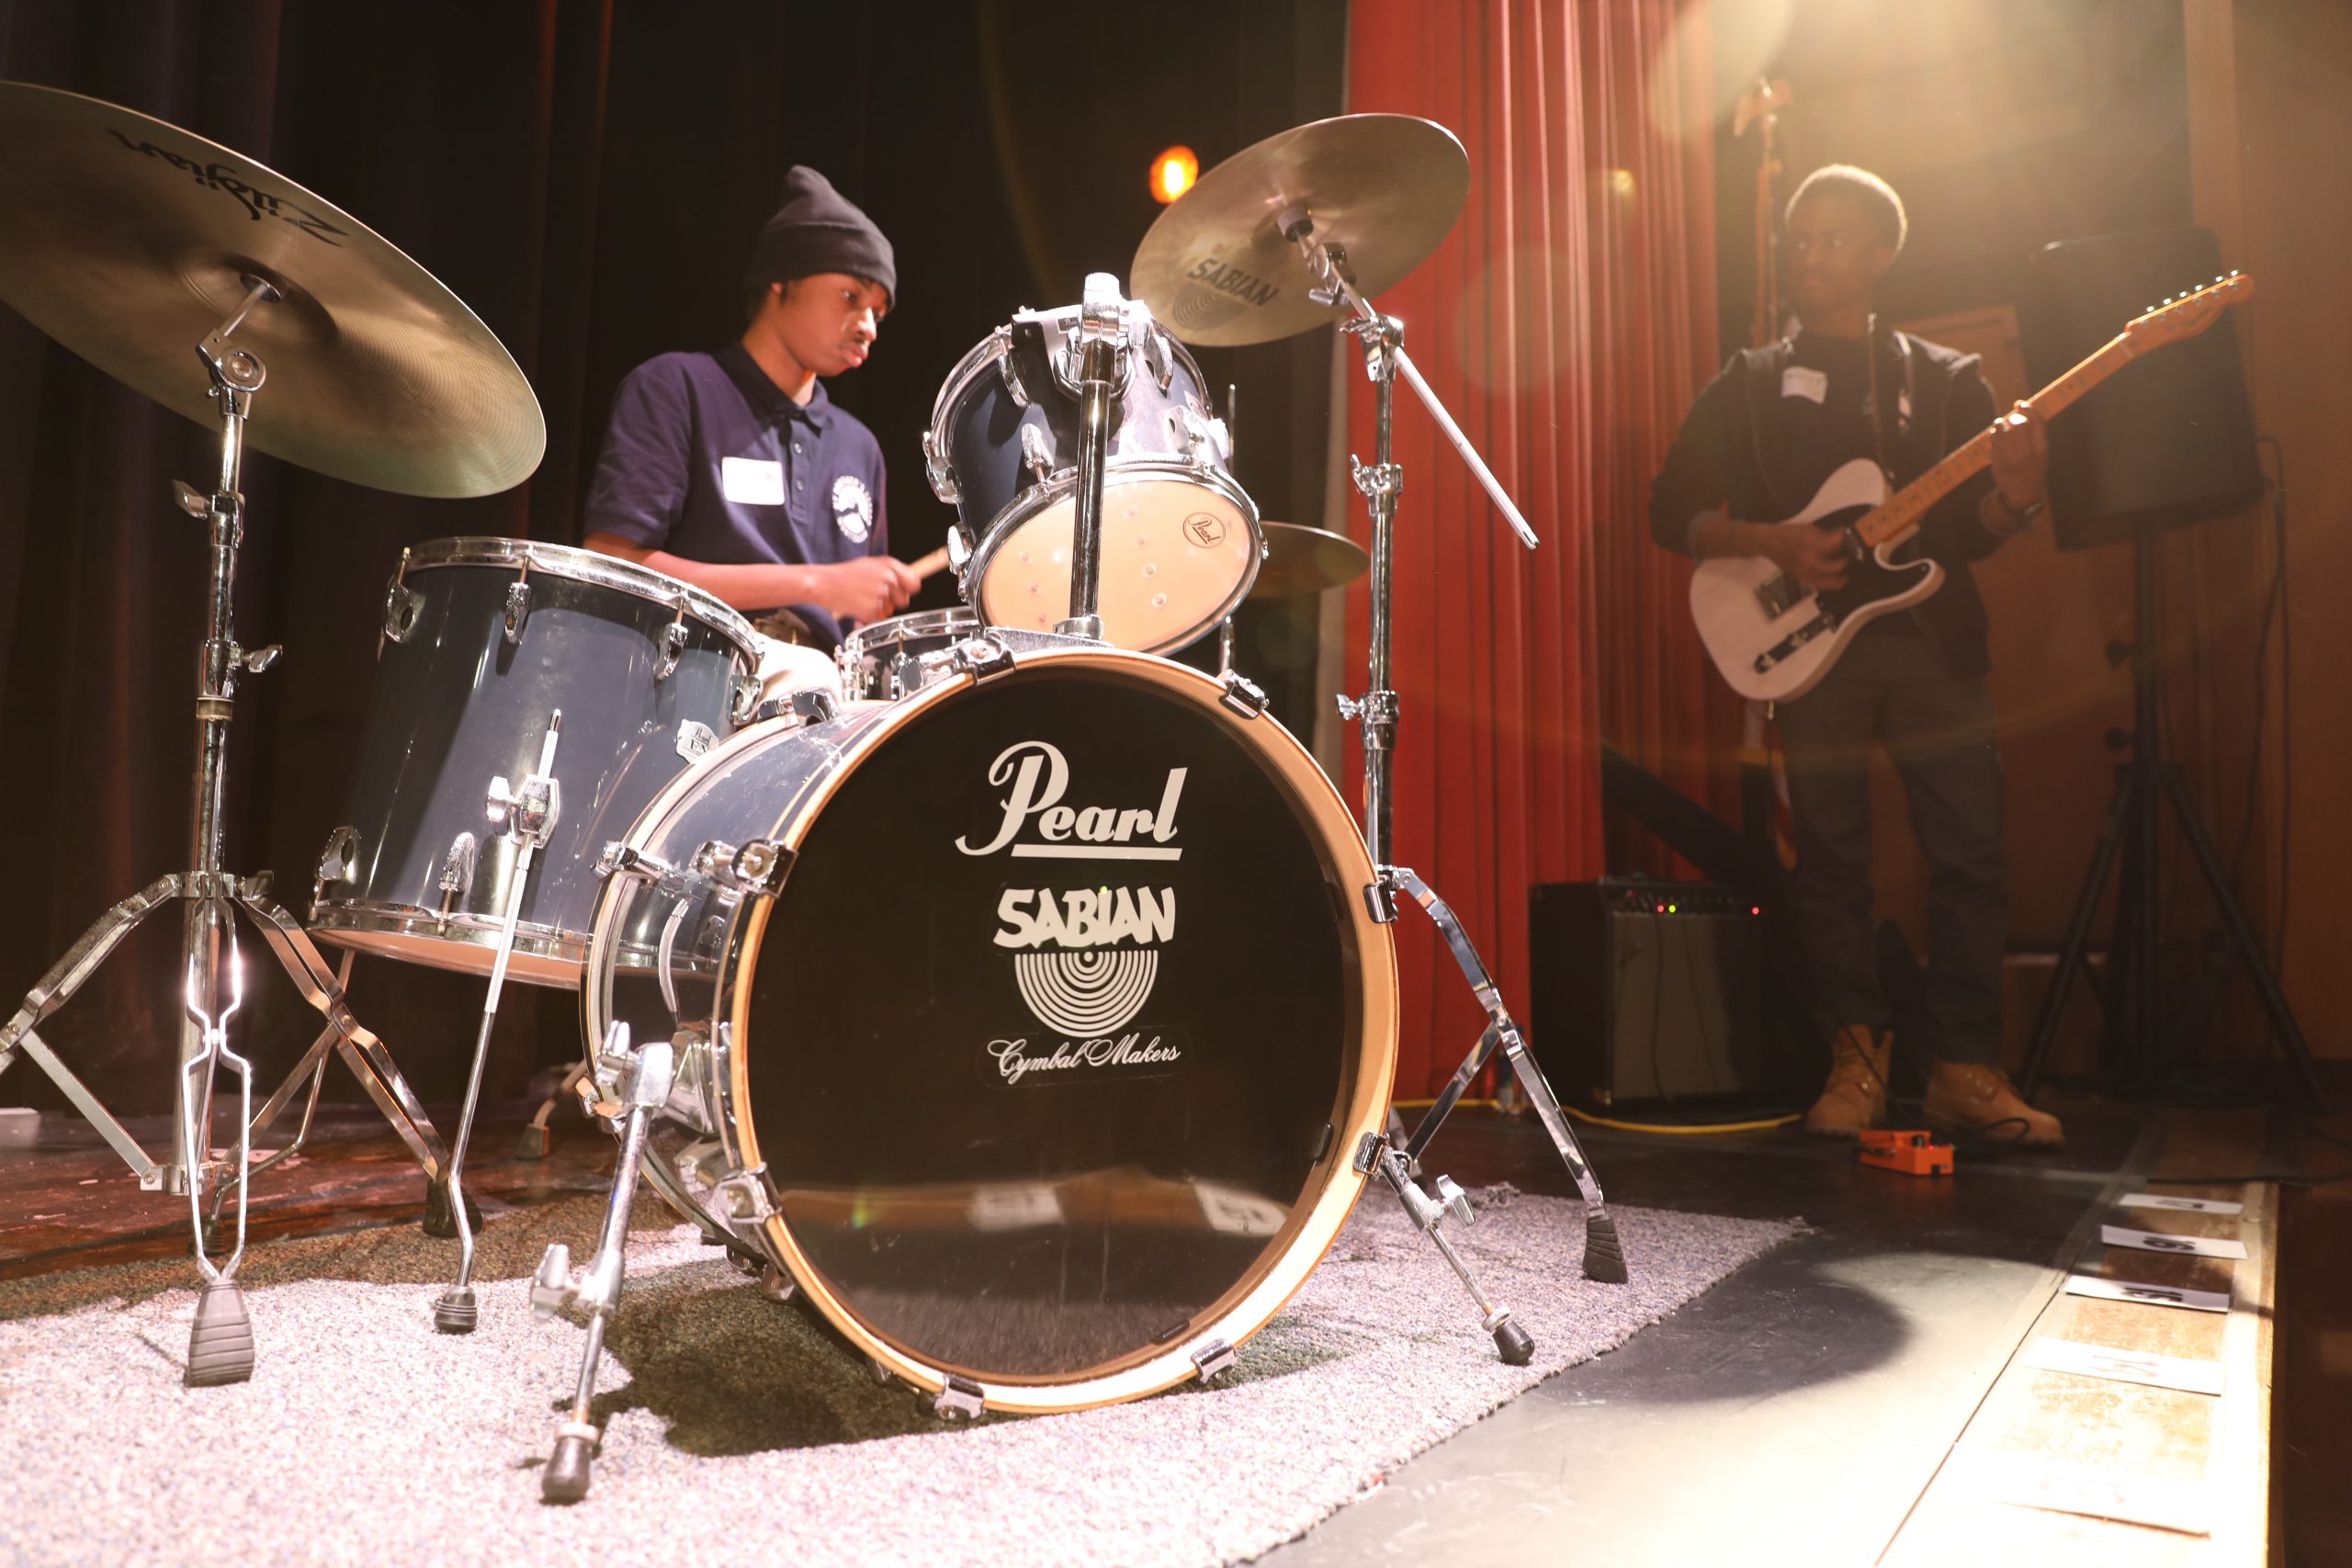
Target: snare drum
{"x": 1181, "y": 542}
{"x": 1032, "y": 1022}
{"x": 898, "y": 657}
{"x": 483, "y": 639}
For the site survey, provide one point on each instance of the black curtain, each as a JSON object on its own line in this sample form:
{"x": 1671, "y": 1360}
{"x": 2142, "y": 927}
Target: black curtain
{"x": 586, "y": 176}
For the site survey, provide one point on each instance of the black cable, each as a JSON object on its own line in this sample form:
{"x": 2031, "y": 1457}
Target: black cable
{"x": 2273, "y": 604}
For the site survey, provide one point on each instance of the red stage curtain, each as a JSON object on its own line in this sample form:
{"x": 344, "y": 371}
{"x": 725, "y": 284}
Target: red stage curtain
{"x": 1568, "y": 322}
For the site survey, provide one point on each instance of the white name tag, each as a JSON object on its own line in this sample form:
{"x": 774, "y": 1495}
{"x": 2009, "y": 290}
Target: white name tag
{"x": 2188, "y": 1205}
{"x": 1797, "y": 381}
{"x": 2154, "y": 1295}
{"x": 752, "y": 481}
{"x": 2156, "y": 1241}
{"x": 2126, "y": 1365}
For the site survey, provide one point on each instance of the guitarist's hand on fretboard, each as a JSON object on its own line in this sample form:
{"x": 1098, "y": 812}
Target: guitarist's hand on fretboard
{"x": 2021, "y": 459}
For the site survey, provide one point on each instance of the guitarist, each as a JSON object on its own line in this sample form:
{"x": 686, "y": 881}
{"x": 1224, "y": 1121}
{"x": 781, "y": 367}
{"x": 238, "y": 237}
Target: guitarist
{"x": 1761, "y": 439}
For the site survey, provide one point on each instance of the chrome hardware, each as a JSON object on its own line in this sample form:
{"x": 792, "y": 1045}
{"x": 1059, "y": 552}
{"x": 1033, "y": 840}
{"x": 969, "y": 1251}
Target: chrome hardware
{"x": 1454, "y": 1199}
{"x": 528, "y": 812}
{"x": 518, "y": 606}
{"x": 813, "y": 707}
{"x": 1155, "y": 359}
{"x": 551, "y": 1286}
{"x": 980, "y": 658}
{"x": 402, "y": 604}
{"x": 694, "y": 738}
{"x": 1006, "y": 367}
{"x": 256, "y": 661}
{"x": 959, "y": 1399}
{"x": 619, "y": 860}
{"x": 1206, "y": 442}
{"x": 1213, "y": 1360}
{"x": 458, "y": 867}
{"x": 939, "y": 468}
{"x": 959, "y": 546}
{"x": 1368, "y": 1152}
{"x": 744, "y": 701}
{"x": 337, "y": 861}
{"x": 739, "y": 1196}
{"x": 190, "y": 499}
{"x": 1035, "y": 453}
{"x": 673, "y": 645}
{"x": 1243, "y": 695}
{"x": 757, "y": 866}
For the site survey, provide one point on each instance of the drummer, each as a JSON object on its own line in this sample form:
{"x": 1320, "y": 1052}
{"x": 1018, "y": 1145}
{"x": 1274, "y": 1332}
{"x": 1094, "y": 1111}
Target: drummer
{"x": 733, "y": 470}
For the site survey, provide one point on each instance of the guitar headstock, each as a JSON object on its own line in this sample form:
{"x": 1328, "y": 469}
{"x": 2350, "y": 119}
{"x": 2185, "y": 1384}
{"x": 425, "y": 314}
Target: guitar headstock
{"x": 2185, "y": 315}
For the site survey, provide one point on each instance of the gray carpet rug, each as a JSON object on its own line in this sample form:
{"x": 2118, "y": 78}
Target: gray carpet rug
{"x": 738, "y": 1430}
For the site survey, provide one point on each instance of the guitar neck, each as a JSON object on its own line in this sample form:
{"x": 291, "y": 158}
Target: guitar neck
{"x": 1904, "y": 510}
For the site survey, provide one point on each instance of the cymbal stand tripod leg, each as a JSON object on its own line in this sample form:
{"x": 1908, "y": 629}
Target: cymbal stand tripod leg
{"x": 1381, "y": 483}
{"x": 640, "y": 1080}
{"x": 528, "y": 816}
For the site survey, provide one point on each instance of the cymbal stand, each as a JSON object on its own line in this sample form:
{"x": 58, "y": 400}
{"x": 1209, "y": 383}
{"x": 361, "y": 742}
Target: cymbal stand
{"x": 213, "y": 897}
{"x": 1102, "y": 360}
{"x": 1376, "y": 710}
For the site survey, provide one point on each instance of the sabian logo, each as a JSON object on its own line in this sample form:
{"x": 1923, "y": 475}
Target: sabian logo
{"x": 1038, "y": 776}
{"x": 258, "y": 204}
{"x": 1211, "y": 272}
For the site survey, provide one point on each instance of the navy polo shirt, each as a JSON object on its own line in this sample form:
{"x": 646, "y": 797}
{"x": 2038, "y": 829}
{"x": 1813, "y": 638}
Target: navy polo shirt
{"x": 707, "y": 459}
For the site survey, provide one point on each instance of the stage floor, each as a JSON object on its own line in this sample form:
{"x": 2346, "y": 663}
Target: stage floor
{"x": 1857, "y": 1397}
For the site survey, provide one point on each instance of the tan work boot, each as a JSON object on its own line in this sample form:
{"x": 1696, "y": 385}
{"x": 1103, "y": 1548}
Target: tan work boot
{"x": 1855, "y": 1096}
{"x": 1969, "y": 1097}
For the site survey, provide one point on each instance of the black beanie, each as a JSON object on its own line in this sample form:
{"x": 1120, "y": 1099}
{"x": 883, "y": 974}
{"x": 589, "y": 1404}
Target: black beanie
{"x": 819, "y": 230}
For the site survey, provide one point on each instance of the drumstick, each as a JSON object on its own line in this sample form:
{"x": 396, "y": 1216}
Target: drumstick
{"x": 930, "y": 565}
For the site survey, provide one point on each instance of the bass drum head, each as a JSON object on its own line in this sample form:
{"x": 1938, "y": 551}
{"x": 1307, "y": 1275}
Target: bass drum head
{"x": 1058, "y": 1039}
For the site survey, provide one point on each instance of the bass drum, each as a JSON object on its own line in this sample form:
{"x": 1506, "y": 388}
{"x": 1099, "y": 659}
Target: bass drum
{"x": 1032, "y": 1022}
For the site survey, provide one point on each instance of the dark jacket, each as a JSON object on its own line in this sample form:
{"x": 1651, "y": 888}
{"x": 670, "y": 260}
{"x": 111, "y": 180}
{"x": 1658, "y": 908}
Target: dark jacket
{"x": 1731, "y": 454}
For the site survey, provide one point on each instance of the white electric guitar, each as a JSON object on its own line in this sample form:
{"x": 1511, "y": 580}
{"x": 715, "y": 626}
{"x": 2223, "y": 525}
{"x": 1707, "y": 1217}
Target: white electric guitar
{"x": 1772, "y": 638}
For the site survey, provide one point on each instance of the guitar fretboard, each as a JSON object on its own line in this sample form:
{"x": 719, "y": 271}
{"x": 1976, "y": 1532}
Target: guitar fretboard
{"x": 1905, "y": 507}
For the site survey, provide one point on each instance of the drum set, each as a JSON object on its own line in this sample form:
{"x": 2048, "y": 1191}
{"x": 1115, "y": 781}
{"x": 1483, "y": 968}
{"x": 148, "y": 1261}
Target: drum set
{"x": 1023, "y": 999}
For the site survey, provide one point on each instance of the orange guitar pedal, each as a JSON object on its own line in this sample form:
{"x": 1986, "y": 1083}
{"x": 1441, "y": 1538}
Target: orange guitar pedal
{"x": 1912, "y": 1153}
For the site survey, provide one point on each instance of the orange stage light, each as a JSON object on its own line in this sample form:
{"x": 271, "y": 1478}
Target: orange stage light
{"x": 1172, "y": 173}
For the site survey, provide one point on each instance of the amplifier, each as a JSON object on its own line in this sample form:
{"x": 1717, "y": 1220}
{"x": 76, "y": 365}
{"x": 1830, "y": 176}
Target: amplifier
{"x": 1647, "y": 991}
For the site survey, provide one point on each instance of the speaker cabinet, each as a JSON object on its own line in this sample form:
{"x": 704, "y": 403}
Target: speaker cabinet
{"x": 2169, "y": 438}
{"x": 1647, "y": 992}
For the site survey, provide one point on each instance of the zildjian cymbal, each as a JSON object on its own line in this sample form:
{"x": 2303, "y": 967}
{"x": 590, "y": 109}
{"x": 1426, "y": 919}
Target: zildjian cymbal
{"x": 1217, "y": 269}
{"x": 130, "y": 240}
{"x": 1300, "y": 559}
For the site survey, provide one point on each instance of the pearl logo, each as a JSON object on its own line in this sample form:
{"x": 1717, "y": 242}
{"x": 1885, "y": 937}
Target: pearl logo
{"x": 1038, "y": 776}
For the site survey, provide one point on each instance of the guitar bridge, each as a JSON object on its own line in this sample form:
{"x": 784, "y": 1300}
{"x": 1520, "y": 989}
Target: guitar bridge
{"x": 1819, "y": 625}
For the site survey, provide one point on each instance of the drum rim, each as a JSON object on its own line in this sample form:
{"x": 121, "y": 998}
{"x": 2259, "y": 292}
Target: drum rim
{"x": 915, "y": 623}
{"x": 348, "y": 922}
{"x": 592, "y": 567}
{"x": 1366, "y": 1109}
{"x": 1024, "y": 507}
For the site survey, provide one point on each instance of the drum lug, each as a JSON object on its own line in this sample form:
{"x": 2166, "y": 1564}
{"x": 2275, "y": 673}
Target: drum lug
{"x": 336, "y": 862}
{"x": 1205, "y": 441}
{"x": 673, "y": 647}
{"x": 1155, "y": 356}
{"x": 939, "y": 470}
{"x": 808, "y": 707}
{"x": 458, "y": 867}
{"x": 759, "y": 866}
{"x": 1368, "y": 1152}
{"x": 527, "y": 812}
{"x": 959, "y": 547}
{"x": 745, "y": 703}
{"x": 402, "y": 604}
{"x": 1011, "y": 372}
{"x": 622, "y": 859}
{"x": 959, "y": 1399}
{"x": 518, "y": 607}
{"x": 739, "y": 1196}
{"x": 1212, "y": 1360}
{"x": 1035, "y": 453}
{"x": 1243, "y": 695}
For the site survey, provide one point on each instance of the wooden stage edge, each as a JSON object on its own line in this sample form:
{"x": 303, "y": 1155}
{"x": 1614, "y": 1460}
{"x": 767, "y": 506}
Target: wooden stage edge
{"x": 2090, "y": 1467}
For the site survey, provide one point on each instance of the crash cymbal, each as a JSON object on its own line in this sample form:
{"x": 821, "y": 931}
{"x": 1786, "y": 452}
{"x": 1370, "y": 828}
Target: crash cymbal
{"x": 1300, "y": 559}
{"x": 1385, "y": 187}
{"x": 128, "y": 239}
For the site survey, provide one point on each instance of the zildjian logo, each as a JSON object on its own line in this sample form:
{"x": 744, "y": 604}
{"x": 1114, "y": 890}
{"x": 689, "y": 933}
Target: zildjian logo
{"x": 258, "y": 204}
